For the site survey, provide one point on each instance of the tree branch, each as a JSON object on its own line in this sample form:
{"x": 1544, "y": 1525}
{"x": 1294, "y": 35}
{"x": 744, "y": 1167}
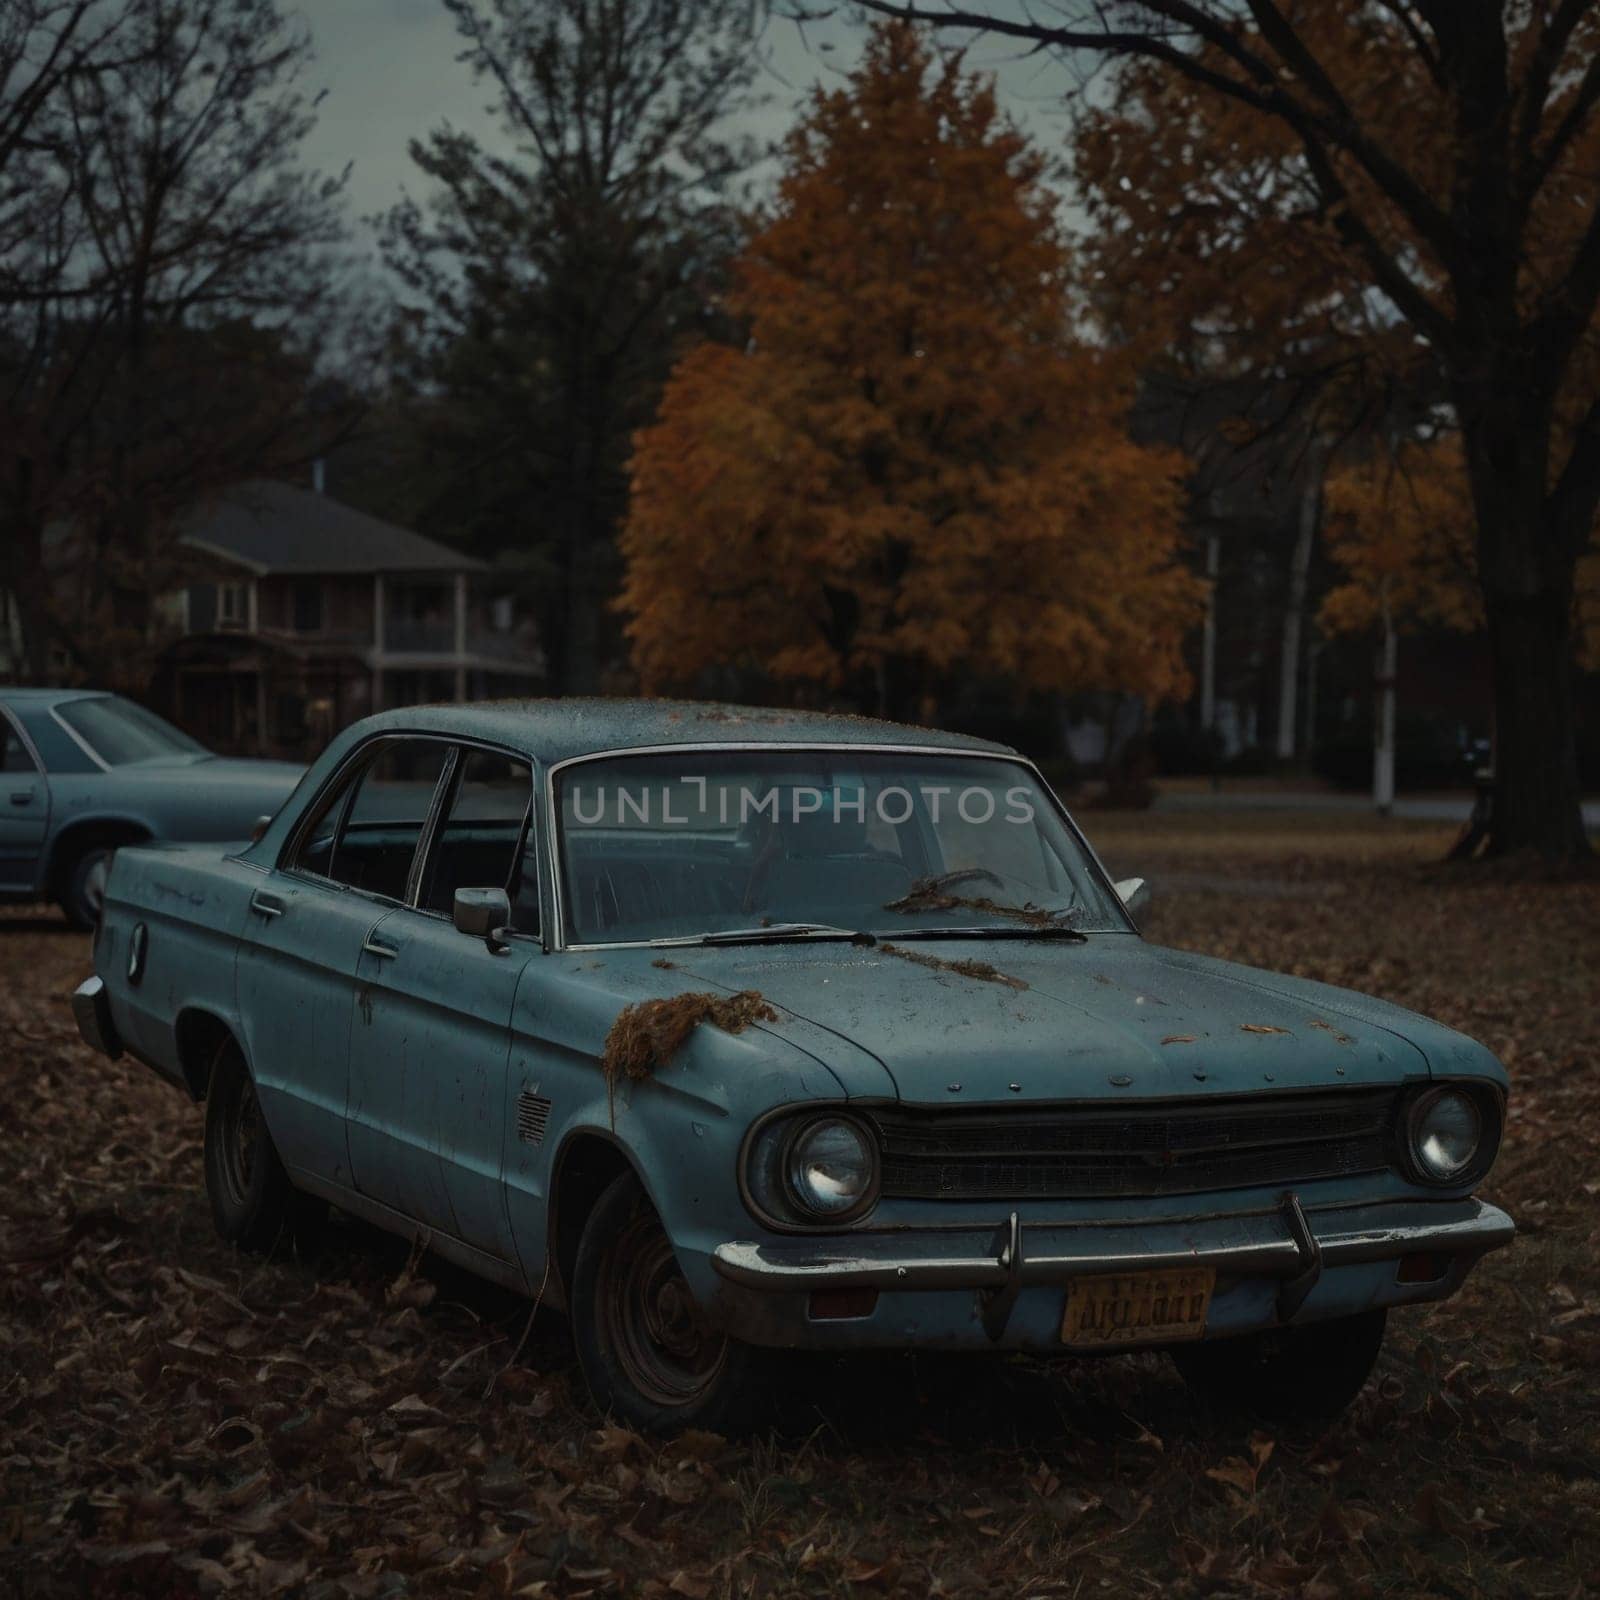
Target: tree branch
{"x": 1569, "y": 307}
{"x": 1401, "y": 11}
{"x": 1537, "y": 166}
{"x": 1334, "y": 126}
{"x": 1548, "y": 49}
{"x": 1575, "y": 500}
{"x": 1316, "y": 135}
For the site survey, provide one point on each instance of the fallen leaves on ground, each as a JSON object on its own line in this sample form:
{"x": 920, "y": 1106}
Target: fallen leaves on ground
{"x": 180, "y": 1420}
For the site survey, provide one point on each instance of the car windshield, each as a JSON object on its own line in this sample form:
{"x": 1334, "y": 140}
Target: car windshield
{"x": 707, "y": 842}
{"x": 122, "y": 734}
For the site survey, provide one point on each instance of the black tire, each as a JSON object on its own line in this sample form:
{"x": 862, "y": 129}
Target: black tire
{"x": 648, "y": 1356}
{"x": 1287, "y": 1374}
{"x": 83, "y": 889}
{"x": 252, "y": 1202}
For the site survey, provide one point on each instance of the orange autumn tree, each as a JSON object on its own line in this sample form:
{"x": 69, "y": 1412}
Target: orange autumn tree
{"x": 911, "y": 472}
{"x": 1399, "y": 528}
{"x": 1395, "y": 208}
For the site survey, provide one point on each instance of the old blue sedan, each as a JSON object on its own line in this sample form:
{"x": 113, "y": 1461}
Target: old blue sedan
{"x": 84, "y": 772}
{"x": 738, "y": 1031}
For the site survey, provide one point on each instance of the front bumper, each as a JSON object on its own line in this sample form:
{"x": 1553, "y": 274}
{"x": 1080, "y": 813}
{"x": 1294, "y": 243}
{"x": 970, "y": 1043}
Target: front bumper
{"x": 1274, "y": 1266}
{"x": 91, "y": 1007}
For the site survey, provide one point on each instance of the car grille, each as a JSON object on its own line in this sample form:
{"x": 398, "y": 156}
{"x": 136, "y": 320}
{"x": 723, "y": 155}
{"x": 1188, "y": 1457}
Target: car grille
{"x": 1175, "y": 1148}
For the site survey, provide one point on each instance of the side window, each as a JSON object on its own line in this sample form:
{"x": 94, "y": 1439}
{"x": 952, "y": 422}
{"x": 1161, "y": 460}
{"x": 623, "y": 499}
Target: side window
{"x": 367, "y": 838}
{"x": 14, "y": 755}
{"x": 482, "y": 841}
{"x": 315, "y": 853}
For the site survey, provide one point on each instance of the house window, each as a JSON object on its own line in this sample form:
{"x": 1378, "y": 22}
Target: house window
{"x": 307, "y": 607}
{"x": 233, "y": 605}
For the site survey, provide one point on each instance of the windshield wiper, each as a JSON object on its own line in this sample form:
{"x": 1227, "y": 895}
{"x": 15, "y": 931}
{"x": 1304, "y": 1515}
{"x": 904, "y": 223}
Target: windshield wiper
{"x": 779, "y": 932}
{"x": 1000, "y": 930}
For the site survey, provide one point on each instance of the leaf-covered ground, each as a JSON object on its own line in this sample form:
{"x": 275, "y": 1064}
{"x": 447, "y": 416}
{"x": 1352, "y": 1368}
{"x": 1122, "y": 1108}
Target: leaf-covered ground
{"x": 176, "y": 1419}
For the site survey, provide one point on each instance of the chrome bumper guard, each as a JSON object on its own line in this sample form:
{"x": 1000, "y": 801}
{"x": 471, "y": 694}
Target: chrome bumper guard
{"x": 1288, "y": 1243}
{"x": 92, "y": 1009}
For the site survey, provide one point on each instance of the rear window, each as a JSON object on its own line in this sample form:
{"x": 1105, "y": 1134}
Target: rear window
{"x": 123, "y": 734}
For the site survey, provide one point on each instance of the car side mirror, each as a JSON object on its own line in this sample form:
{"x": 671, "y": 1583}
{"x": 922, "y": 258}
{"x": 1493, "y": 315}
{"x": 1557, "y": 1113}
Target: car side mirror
{"x": 1135, "y": 895}
{"x": 483, "y": 913}
{"x": 259, "y": 827}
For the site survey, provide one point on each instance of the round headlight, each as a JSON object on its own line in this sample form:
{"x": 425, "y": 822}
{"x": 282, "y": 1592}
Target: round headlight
{"x": 1446, "y": 1131}
{"x": 832, "y": 1167}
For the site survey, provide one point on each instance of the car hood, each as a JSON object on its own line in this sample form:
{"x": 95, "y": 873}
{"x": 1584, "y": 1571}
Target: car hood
{"x": 1109, "y": 1018}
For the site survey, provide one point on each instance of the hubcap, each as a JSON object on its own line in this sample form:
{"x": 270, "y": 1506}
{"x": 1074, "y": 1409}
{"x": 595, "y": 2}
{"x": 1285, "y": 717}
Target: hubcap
{"x": 240, "y": 1148}
{"x": 94, "y": 884}
{"x": 652, "y": 1322}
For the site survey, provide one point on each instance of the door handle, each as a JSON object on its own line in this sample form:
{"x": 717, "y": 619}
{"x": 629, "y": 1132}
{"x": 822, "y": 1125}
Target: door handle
{"x": 376, "y": 947}
{"x": 267, "y": 905}
{"x": 22, "y": 797}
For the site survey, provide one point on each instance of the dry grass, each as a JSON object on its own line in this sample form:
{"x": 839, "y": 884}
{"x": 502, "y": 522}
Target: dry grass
{"x": 981, "y": 971}
{"x": 176, "y": 1419}
{"x": 648, "y": 1034}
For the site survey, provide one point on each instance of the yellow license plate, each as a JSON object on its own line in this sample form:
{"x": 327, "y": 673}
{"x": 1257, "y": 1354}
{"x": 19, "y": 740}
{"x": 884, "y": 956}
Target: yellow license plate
{"x": 1137, "y": 1308}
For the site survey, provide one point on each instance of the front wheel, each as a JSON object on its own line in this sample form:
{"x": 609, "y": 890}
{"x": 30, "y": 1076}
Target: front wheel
{"x": 1287, "y": 1374}
{"x": 648, "y": 1355}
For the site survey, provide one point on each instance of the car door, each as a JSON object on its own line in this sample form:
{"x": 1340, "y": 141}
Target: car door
{"x": 24, "y": 810}
{"x": 431, "y": 1036}
{"x": 343, "y": 870}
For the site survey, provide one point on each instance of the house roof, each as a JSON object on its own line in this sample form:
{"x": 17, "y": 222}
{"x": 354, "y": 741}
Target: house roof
{"x": 272, "y": 527}
{"x": 556, "y": 729}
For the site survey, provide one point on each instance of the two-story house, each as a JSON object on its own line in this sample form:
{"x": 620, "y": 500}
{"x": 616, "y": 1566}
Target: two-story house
{"x": 318, "y": 614}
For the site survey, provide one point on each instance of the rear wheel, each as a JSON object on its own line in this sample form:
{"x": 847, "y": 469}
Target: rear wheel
{"x": 1287, "y": 1374}
{"x": 648, "y": 1354}
{"x": 83, "y": 895}
{"x": 252, "y": 1202}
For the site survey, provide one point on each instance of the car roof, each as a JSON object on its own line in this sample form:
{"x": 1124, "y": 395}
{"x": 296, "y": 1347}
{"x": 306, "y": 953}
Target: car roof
{"x": 16, "y": 695}
{"x": 553, "y": 730}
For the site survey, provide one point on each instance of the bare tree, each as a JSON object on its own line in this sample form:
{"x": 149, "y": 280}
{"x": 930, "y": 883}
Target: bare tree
{"x": 1459, "y": 239}
{"x": 44, "y": 44}
{"x": 159, "y": 310}
{"x": 547, "y": 291}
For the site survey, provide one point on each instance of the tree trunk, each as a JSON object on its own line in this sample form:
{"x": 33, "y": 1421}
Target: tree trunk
{"x": 1208, "y": 638}
{"x": 1537, "y": 799}
{"x": 579, "y": 664}
{"x": 1383, "y": 721}
{"x": 1294, "y": 612}
{"x": 1527, "y": 575}
{"x": 23, "y": 573}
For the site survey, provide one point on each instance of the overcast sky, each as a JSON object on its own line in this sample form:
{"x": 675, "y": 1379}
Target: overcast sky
{"x": 390, "y": 72}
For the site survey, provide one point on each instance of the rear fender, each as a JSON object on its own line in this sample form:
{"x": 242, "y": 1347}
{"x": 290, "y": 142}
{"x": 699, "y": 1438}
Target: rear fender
{"x": 191, "y": 903}
{"x": 81, "y": 834}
